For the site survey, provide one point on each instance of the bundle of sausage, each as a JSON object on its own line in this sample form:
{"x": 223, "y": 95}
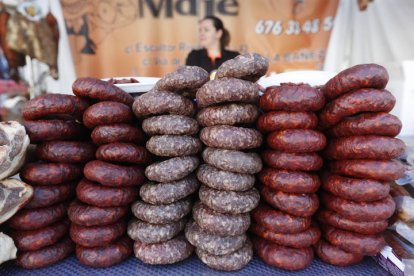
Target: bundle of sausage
{"x": 111, "y": 182}
{"x": 40, "y": 230}
{"x": 227, "y": 194}
{"x": 285, "y": 231}
{"x": 166, "y": 200}
{"x": 361, "y": 149}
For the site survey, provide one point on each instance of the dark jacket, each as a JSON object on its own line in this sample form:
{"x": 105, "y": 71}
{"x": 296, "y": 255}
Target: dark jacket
{"x": 201, "y": 59}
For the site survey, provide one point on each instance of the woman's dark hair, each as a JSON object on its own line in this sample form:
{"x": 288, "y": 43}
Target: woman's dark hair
{"x": 218, "y": 24}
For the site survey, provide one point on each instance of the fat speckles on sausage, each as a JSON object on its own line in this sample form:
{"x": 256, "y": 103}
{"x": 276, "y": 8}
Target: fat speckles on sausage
{"x": 162, "y": 102}
{"x": 227, "y": 90}
{"x": 231, "y": 137}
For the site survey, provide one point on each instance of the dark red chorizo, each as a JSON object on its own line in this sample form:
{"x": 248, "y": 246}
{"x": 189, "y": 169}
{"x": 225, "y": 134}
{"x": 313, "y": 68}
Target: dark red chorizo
{"x": 278, "y": 221}
{"x": 50, "y": 195}
{"x": 51, "y": 130}
{"x": 352, "y": 242}
{"x": 66, "y": 151}
{"x": 53, "y": 106}
{"x": 363, "y": 100}
{"x": 296, "y": 140}
{"x": 360, "y": 211}
{"x": 100, "y": 90}
{"x": 362, "y": 227}
{"x": 45, "y": 256}
{"x": 105, "y": 256}
{"x": 364, "y": 147}
{"x": 367, "y": 124}
{"x": 117, "y": 133}
{"x": 334, "y": 255}
{"x": 101, "y": 196}
{"x": 292, "y": 97}
{"x": 292, "y": 161}
{"x": 87, "y": 215}
{"x": 279, "y": 120}
{"x": 114, "y": 175}
{"x": 29, "y": 240}
{"x": 356, "y": 77}
{"x": 92, "y": 236}
{"x": 302, "y": 205}
{"x": 375, "y": 169}
{"x": 302, "y": 239}
{"x": 123, "y": 153}
{"x": 50, "y": 173}
{"x": 289, "y": 181}
{"x": 281, "y": 256}
{"x": 355, "y": 189}
{"x": 105, "y": 113}
{"x": 31, "y": 219}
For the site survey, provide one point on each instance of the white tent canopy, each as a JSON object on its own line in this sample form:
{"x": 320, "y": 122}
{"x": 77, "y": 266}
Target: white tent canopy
{"x": 382, "y": 34}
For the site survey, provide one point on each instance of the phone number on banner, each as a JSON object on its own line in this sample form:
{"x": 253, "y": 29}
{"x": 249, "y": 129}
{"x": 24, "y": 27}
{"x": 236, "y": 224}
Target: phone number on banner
{"x": 294, "y": 27}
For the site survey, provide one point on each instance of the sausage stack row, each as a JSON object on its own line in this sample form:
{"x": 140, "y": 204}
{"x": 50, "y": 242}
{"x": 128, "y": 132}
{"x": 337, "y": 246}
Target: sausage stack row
{"x": 98, "y": 217}
{"x": 167, "y": 199}
{"x": 361, "y": 148}
{"x": 40, "y": 230}
{"x": 285, "y": 231}
{"x": 227, "y": 194}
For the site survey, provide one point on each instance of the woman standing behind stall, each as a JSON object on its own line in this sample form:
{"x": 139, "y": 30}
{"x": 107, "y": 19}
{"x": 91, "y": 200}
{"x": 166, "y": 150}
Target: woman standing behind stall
{"x": 213, "y": 40}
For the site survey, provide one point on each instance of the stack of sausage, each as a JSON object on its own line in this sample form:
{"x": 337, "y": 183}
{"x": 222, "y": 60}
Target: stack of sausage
{"x": 227, "y": 194}
{"x": 286, "y": 233}
{"x": 166, "y": 200}
{"x": 41, "y": 228}
{"x": 356, "y": 193}
{"x": 110, "y": 184}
